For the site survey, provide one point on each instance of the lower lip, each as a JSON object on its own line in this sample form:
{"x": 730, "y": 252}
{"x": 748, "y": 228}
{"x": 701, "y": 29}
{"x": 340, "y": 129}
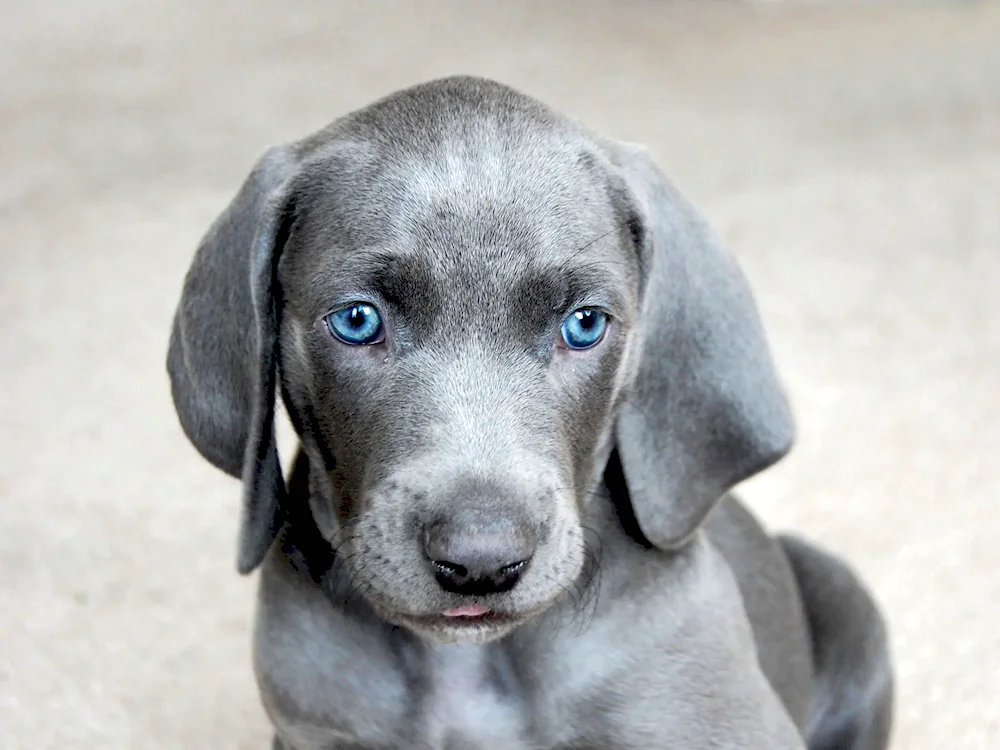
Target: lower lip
{"x": 449, "y": 619}
{"x": 468, "y": 611}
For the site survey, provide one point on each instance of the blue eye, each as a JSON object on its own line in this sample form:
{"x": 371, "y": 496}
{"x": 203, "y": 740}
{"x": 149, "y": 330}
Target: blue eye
{"x": 584, "y": 328}
{"x": 356, "y": 324}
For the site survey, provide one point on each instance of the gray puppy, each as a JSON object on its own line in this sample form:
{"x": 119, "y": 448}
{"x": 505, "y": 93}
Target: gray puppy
{"x": 525, "y": 374}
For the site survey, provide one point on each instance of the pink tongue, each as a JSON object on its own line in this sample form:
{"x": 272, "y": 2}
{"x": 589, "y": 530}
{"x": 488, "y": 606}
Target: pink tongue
{"x": 469, "y": 610}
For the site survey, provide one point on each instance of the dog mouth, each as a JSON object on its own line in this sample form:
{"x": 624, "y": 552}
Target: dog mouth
{"x": 468, "y": 612}
{"x": 478, "y": 617}
{"x": 468, "y": 620}
{"x": 469, "y": 615}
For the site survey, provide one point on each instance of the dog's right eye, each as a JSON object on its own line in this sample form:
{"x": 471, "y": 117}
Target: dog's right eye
{"x": 584, "y": 328}
{"x": 356, "y": 324}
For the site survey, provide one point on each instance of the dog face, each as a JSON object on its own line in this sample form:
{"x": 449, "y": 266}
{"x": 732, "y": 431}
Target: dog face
{"x": 467, "y": 303}
{"x": 456, "y": 324}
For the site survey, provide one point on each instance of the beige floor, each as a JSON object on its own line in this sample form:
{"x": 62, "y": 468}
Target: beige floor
{"x": 851, "y": 156}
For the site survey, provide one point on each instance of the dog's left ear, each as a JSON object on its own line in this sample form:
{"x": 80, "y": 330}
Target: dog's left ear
{"x": 705, "y": 409}
{"x": 222, "y": 358}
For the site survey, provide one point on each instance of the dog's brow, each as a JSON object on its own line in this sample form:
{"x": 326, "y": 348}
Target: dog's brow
{"x": 590, "y": 243}
{"x": 584, "y": 283}
{"x": 400, "y": 279}
{"x": 558, "y": 289}
{"x": 583, "y": 278}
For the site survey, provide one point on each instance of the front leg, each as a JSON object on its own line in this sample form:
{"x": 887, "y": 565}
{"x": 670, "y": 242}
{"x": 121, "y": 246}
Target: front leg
{"x": 721, "y": 698}
{"x": 672, "y": 663}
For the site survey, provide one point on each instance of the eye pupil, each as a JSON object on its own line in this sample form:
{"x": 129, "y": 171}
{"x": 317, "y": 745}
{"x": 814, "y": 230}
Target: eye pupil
{"x": 358, "y": 316}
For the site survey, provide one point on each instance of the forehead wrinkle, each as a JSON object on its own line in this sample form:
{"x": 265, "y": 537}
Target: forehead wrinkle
{"x": 468, "y": 212}
{"x": 506, "y": 190}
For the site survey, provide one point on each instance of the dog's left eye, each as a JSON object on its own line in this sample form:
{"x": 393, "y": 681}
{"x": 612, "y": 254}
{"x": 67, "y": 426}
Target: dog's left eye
{"x": 357, "y": 324}
{"x": 583, "y": 328}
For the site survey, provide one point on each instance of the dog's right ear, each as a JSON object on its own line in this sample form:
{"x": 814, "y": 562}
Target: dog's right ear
{"x": 222, "y": 357}
{"x": 707, "y": 409}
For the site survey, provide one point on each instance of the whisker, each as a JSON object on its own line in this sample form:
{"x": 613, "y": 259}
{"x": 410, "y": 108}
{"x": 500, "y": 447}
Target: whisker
{"x": 584, "y": 248}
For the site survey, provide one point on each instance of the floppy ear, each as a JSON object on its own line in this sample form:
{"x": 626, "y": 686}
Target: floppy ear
{"x": 705, "y": 410}
{"x": 222, "y": 355}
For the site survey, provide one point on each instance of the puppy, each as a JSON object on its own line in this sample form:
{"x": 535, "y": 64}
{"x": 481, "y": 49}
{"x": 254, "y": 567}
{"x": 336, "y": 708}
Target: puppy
{"x": 525, "y": 375}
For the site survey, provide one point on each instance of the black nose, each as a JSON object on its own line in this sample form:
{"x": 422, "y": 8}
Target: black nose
{"x": 478, "y": 557}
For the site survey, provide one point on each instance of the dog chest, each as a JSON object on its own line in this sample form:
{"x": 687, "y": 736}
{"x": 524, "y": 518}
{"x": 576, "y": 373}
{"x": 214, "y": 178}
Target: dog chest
{"x": 471, "y": 702}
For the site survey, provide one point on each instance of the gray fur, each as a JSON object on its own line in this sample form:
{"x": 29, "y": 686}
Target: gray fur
{"x": 645, "y": 613}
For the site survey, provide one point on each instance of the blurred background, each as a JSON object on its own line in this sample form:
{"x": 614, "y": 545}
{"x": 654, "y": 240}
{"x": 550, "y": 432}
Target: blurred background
{"x": 849, "y": 153}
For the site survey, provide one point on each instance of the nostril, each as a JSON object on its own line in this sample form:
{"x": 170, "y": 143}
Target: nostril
{"x": 508, "y": 576}
{"x": 514, "y": 569}
{"x": 450, "y": 569}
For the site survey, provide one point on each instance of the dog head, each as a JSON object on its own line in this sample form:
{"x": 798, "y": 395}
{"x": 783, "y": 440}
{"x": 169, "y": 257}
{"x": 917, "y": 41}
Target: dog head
{"x": 470, "y": 305}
